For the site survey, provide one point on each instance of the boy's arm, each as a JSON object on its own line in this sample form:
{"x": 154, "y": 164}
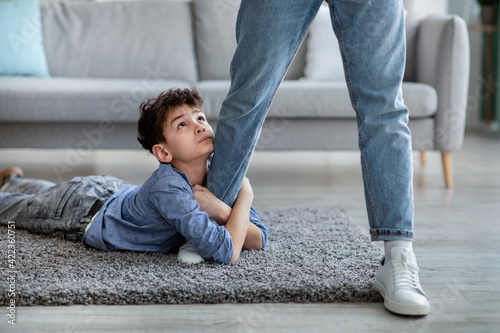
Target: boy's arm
{"x": 220, "y": 211}
{"x": 237, "y": 223}
{"x": 253, "y": 240}
{"x": 235, "y": 219}
{"x": 209, "y": 203}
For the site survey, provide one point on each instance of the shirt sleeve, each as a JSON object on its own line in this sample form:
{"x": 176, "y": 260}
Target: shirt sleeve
{"x": 183, "y": 213}
{"x": 255, "y": 219}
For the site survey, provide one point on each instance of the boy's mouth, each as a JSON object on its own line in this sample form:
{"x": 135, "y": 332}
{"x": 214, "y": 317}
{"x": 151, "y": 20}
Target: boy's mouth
{"x": 205, "y": 138}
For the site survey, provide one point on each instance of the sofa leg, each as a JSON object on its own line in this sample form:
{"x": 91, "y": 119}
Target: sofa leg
{"x": 447, "y": 168}
{"x": 423, "y": 157}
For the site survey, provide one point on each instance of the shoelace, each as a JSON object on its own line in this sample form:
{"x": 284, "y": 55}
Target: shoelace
{"x": 405, "y": 273}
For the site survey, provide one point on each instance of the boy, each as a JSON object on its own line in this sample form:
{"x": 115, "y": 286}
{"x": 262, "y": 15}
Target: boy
{"x": 170, "y": 208}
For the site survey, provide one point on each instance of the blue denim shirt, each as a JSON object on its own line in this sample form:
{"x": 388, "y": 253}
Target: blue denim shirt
{"x": 160, "y": 215}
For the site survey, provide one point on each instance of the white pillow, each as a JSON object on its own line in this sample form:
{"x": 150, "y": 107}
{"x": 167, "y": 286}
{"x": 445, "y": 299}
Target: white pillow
{"x": 323, "y": 59}
{"x": 215, "y": 22}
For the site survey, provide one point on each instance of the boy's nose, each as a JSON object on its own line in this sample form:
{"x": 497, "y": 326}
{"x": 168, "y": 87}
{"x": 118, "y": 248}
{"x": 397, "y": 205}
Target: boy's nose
{"x": 200, "y": 129}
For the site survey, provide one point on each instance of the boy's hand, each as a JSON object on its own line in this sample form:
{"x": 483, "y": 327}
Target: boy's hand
{"x": 246, "y": 189}
{"x": 210, "y": 204}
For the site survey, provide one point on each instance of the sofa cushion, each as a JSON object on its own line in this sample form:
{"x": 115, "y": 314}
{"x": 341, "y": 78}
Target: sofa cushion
{"x": 21, "y": 39}
{"x": 69, "y": 100}
{"x": 120, "y": 39}
{"x": 417, "y": 10}
{"x": 319, "y": 99}
{"x": 215, "y": 23}
{"x": 323, "y": 58}
{"x": 330, "y": 134}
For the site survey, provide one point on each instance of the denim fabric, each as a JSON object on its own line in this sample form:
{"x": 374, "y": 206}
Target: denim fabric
{"x": 61, "y": 210}
{"x": 371, "y": 37}
{"x": 159, "y": 216}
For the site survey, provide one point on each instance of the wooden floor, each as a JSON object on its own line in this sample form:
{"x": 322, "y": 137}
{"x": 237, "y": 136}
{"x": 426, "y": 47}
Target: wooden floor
{"x": 457, "y": 244}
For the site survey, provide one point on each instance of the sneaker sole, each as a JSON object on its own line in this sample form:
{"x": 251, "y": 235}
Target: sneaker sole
{"x": 189, "y": 258}
{"x": 402, "y": 309}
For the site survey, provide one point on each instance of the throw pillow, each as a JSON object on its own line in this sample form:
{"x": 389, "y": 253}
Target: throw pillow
{"x": 21, "y": 39}
{"x": 215, "y": 22}
{"x": 323, "y": 58}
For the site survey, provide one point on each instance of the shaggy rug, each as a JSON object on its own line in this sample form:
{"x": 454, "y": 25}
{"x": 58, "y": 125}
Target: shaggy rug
{"x": 312, "y": 256}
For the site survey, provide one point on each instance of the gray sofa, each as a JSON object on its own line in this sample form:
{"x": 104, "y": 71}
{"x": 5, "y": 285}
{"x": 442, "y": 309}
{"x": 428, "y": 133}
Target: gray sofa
{"x": 105, "y": 58}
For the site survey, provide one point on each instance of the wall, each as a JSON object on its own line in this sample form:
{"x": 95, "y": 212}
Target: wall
{"x": 469, "y": 10}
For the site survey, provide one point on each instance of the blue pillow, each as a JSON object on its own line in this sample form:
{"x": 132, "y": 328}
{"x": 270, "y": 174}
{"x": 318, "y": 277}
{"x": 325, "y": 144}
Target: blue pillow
{"x": 21, "y": 39}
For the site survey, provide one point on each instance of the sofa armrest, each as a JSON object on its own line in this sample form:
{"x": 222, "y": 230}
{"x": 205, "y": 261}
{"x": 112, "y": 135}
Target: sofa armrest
{"x": 442, "y": 61}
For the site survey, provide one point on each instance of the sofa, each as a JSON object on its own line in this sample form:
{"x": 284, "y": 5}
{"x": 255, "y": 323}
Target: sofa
{"x": 91, "y": 64}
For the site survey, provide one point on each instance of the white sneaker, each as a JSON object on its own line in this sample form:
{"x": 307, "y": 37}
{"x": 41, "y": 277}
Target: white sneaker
{"x": 397, "y": 281}
{"x": 188, "y": 254}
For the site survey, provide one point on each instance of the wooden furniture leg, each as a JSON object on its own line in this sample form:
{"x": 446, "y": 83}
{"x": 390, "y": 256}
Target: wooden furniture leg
{"x": 447, "y": 168}
{"x": 423, "y": 157}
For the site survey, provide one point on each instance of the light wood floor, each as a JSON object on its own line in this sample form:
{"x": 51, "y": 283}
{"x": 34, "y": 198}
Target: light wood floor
{"x": 457, "y": 244}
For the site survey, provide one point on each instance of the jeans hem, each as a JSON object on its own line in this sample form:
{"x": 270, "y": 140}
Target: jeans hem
{"x": 390, "y": 234}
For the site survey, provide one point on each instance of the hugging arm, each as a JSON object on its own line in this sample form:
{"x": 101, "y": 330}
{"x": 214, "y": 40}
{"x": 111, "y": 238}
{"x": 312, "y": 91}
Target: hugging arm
{"x": 245, "y": 234}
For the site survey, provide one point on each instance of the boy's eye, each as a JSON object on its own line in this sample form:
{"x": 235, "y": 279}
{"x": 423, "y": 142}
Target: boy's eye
{"x": 201, "y": 118}
{"x": 181, "y": 125}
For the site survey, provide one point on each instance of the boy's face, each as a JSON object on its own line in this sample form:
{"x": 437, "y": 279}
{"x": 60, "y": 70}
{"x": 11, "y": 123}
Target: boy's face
{"x": 189, "y": 137}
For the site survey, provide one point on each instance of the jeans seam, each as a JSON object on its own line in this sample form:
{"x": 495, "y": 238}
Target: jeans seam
{"x": 60, "y": 207}
{"x": 355, "y": 107}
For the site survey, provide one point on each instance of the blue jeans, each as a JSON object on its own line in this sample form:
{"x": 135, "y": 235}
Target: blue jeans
{"x": 60, "y": 210}
{"x": 371, "y": 36}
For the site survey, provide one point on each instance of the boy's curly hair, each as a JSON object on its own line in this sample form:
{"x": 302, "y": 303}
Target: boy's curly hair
{"x": 154, "y": 113}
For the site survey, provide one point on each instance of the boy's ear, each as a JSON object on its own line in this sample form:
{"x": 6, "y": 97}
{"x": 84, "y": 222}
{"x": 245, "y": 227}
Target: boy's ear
{"x": 161, "y": 153}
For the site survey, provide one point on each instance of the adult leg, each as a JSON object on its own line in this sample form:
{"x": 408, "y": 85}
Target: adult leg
{"x": 268, "y": 35}
{"x": 372, "y": 40}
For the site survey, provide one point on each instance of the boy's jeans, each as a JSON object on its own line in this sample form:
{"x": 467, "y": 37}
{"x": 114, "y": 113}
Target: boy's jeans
{"x": 62, "y": 210}
{"x": 371, "y": 36}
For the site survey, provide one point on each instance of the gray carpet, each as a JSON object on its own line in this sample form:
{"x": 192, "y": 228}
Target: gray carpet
{"x": 312, "y": 256}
